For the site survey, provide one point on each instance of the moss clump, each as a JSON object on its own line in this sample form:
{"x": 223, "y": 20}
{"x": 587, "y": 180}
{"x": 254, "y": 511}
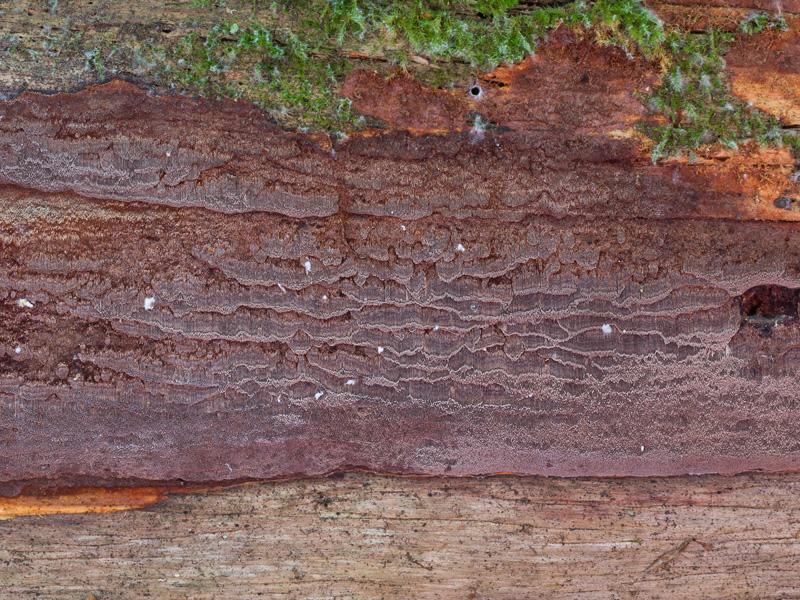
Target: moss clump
{"x": 483, "y": 33}
{"x": 275, "y": 68}
{"x": 290, "y": 56}
{"x": 294, "y": 56}
{"x": 758, "y": 22}
{"x": 695, "y": 97}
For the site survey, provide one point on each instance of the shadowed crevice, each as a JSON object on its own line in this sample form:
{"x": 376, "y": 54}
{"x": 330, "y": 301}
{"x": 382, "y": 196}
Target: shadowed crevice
{"x": 766, "y": 306}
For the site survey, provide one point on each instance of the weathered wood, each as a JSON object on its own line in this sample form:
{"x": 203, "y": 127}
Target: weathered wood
{"x": 363, "y": 536}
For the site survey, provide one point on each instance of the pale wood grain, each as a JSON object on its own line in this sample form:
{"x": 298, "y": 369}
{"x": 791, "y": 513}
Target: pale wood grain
{"x": 366, "y": 536}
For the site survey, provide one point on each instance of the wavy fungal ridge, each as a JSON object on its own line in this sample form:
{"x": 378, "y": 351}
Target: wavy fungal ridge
{"x": 199, "y": 295}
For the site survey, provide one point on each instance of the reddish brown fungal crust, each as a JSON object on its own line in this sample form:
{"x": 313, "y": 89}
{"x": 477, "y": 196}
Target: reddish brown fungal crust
{"x": 406, "y": 104}
{"x": 119, "y": 142}
{"x": 569, "y": 84}
{"x": 525, "y": 302}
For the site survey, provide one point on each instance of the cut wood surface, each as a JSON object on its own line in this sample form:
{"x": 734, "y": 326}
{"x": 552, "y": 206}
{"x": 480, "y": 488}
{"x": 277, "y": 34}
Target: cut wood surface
{"x": 364, "y": 536}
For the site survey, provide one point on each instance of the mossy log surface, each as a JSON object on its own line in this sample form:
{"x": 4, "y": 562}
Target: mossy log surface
{"x": 486, "y": 277}
{"x": 497, "y": 281}
{"x": 191, "y": 293}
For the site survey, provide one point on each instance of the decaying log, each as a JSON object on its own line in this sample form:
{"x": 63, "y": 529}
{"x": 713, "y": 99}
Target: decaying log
{"x": 496, "y": 282}
{"x": 489, "y": 280}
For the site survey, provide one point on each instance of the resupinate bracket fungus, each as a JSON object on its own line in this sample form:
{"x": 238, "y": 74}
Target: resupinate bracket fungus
{"x": 496, "y": 226}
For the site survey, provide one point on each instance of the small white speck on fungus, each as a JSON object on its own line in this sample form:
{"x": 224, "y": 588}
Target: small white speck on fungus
{"x": 606, "y": 329}
{"x": 460, "y": 248}
{"x": 149, "y": 303}
{"x": 307, "y": 266}
{"x": 318, "y": 395}
{"x": 380, "y": 349}
{"x": 477, "y": 132}
{"x": 24, "y": 303}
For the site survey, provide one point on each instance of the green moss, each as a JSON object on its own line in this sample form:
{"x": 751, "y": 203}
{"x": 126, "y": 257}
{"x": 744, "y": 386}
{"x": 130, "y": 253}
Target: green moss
{"x": 295, "y": 61}
{"x": 759, "y": 22}
{"x": 485, "y": 33}
{"x": 695, "y": 98}
{"x": 95, "y": 61}
{"x": 291, "y": 56}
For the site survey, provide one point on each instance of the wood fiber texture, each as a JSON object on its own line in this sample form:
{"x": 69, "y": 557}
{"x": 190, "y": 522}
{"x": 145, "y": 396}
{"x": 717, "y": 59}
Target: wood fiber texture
{"x": 367, "y": 537}
{"x": 190, "y": 293}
